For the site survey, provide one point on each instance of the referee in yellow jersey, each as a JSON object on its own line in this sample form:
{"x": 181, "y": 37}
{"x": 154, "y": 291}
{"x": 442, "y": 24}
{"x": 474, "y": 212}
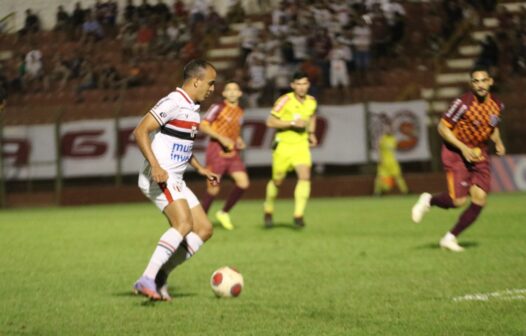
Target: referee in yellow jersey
{"x": 294, "y": 118}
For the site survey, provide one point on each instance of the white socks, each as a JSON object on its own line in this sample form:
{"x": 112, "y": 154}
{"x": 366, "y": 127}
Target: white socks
{"x": 189, "y": 246}
{"x": 167, "y": 246}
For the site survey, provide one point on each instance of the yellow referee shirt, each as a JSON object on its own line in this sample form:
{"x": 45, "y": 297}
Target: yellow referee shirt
{"x": 289, "y": 108}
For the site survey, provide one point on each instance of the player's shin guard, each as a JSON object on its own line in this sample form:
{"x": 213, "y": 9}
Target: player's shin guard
{"x": 467, "y": 218}
{"x": 166, "y": 247}
{"x": 272, "y": 193}
{"x": 188, "y": 247}
{"x": 301, "y": 196}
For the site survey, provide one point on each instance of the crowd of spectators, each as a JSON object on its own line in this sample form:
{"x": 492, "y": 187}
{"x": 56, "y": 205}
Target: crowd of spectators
{"x": 336, "y": 43}
{"x": 142, "y": 32}
{"x": 339, "y": 44}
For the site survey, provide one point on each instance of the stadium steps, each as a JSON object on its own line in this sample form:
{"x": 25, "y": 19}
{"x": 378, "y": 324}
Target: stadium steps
{"x": 226, "y": 53}
{"x": 453, "y": 78}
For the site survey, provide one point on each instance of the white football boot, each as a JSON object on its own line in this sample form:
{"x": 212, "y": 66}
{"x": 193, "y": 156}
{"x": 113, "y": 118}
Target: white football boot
{"x": 449, "y": 242}
{"x": 421, "y": 207}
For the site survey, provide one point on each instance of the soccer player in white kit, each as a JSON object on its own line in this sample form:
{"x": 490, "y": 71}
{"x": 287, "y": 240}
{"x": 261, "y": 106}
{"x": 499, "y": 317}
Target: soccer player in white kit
{"x": 165, "y": 136}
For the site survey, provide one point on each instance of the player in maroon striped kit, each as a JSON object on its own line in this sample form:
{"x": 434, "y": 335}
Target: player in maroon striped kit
{"x": 466, "y": 128}
{"x": 223, "y": 123}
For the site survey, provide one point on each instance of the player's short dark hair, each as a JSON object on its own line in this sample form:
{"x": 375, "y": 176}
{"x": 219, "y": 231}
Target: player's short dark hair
{"x": 196, "y": 69}
{"x": 479, "y": 68}
{"x": 299, "y": 75}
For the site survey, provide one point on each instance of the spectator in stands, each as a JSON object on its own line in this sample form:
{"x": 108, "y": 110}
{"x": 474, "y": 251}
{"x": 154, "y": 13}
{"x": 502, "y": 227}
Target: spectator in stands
{"x": 249, "y": 35}
{"x": 215, "y": 24}
{"x": 179, "y": 9}
{"x": 144, "y": 11}
{"x": 339, "y": 76}
{"x": 128, "y": 37}
{"x": 256, "y": 75}
{"x": 62, "y": 20}
{"x": 77, "y": 19}
{"x": 235, "y": 12}
{"x": 59, "y": 73}
{"x": 91, "y": 30}
{"x": 135, "y": 75}
{"x": 314, "y": 73}
{"x": 298, "y": 38}
{"x": 198, "y": 12}
{"x": 31, "y": 25}
{"x": 88, "y": 80}
{"x": 362, "y": 50}
{"x": 161, "y": 12}
{"x": 145, "y": 36}
{"x": 130, "y": 11}
{"x": 109, "y": 80}
{"x": 34, "y": 68}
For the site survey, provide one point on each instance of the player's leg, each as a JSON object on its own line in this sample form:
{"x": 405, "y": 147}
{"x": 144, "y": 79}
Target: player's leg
{"x": 302, "y": 162}
{"x": 301, "y": 193}
{"x": 280, "y": 166}
{"x": 216, "y": 164}
{"x": 480, "y": 185}
{"x": 241, "y": 181}
{"x": 201, "y": 231}
{"x": 457, "y": 178}
{"x": 166, "y": 196}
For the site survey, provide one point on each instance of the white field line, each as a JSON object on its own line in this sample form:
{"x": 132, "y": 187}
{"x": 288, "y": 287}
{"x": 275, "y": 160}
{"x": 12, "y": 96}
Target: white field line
{"x": 507, "y": 294}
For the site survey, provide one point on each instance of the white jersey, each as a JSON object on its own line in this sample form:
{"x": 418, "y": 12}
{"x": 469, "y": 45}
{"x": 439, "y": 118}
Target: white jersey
{"x": 172, "y": 145}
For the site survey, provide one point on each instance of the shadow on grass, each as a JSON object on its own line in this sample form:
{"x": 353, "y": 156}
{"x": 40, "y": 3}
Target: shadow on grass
{"x": 435, "y": 246}
{"x": 282, "y": 225}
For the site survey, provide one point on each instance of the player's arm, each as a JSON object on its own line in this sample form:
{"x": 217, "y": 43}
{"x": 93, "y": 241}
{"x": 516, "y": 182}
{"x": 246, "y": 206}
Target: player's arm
{"x": 311, "y": 129}
{"x": 212, "y": 177}
{"x": 470, "y": 154}
{"x": 499, "y": 145}
{"x": 274, "y": 122}
{"x": 206, "y": 128}
{"x": 147, "y": 125}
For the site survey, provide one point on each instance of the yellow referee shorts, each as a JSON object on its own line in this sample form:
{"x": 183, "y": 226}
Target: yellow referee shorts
{"x": 287, "y": 156}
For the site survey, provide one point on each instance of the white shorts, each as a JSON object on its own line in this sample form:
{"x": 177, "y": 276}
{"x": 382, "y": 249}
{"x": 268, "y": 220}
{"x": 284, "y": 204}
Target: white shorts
{"x": 163, "y": 194}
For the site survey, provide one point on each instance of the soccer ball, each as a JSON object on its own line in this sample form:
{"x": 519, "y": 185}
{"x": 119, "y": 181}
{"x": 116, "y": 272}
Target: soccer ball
{"x": 226, "y": 282}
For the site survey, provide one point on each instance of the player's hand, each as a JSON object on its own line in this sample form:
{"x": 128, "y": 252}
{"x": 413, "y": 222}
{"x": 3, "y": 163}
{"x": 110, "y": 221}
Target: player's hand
{"x": 158, "y": 174}
{"x": 227, "y": 144}
{"x": 500, "y": 149}
{"x": 240, "y": 144}
{"x": 212, "y": 177}
{"x": 298, "y": 123}
{"x": 472, "y": 154}
{"x": 313, "y": 141}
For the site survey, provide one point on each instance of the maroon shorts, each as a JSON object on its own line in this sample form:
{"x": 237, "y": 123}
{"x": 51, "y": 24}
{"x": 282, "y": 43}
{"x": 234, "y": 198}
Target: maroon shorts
{"x": 461, "y": 175}
{"x": 220, "y": 162}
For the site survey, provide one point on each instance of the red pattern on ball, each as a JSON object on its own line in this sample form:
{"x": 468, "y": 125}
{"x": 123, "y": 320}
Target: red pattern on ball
{"x": 235, "y": 290}
{"x": 217, "y": 279}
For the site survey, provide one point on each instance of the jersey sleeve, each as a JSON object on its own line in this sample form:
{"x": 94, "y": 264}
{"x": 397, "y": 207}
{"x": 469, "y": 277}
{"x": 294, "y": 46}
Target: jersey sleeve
{"x": 454, "y": 113}
{"x": 164, "y": 110}
{"x": 212, "y": 113}
{"x": 279, "y": 107}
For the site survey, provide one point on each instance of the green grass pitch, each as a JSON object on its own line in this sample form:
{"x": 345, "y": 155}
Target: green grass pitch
{"x": 360, "y": 267}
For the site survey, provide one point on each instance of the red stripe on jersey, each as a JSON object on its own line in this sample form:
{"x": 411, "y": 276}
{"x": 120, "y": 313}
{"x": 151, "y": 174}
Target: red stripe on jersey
{"x": 166, "y": 192}
{"x": 213, "y": 112}
{"x": 183, "y": 123}
{"x": 185, "y": 96}
{"x": 279, "y": 105}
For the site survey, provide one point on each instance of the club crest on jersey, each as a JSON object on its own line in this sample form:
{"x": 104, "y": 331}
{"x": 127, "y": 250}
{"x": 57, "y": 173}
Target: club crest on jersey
{"x": 494, "y": 120}
{"x": 162, "y": 114}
